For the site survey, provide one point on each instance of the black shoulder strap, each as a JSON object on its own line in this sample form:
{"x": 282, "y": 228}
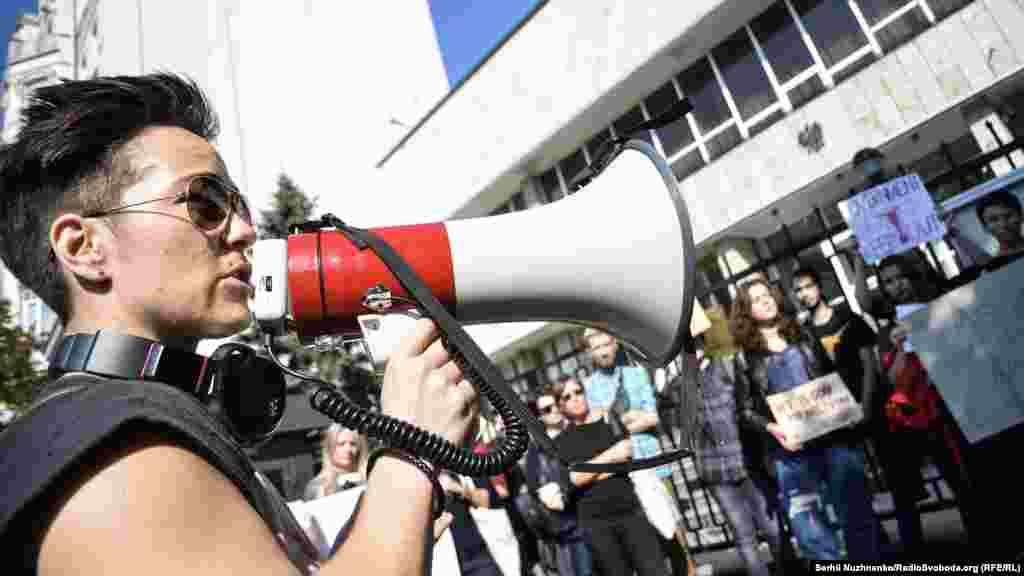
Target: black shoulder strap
{"x": 79, "y": 412}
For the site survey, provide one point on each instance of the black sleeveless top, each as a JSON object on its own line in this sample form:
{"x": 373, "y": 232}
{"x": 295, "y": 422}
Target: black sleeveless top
{"x": 43, "y": 450}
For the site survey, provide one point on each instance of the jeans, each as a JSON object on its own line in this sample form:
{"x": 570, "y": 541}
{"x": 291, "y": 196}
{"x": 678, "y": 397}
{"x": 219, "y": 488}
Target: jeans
{"x": 833, "y": 473}
{"x": 574, "y": 554}
{"x": 746, "y": 511}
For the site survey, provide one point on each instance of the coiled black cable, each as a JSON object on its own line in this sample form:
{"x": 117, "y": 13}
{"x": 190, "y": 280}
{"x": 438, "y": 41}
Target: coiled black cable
{"x": 399, "y": 434}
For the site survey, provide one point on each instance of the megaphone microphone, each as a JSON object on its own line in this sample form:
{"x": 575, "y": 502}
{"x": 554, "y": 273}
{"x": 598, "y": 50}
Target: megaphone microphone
{"x": 618, "y": 257}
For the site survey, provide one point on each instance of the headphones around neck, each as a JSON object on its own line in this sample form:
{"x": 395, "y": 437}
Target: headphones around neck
{"x": 245, "y": 391}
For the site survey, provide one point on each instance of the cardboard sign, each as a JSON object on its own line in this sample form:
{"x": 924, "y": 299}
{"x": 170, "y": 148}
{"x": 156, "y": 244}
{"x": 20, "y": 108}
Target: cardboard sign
{"x": 893, "y": 217}
{"x": 815, "y": 408}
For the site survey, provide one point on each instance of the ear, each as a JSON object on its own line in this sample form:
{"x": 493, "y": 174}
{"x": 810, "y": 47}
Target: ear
{"x": 77, "y": 245}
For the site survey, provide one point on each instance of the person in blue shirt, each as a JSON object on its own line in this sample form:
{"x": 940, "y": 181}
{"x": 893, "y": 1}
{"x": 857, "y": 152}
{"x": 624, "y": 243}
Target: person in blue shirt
{"x": 627, "y": 391}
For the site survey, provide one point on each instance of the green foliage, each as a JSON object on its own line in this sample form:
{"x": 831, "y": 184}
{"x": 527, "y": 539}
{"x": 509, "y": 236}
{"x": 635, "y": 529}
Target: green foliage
{"x": 290, "y": 207}
{"x": 19, "y": 375}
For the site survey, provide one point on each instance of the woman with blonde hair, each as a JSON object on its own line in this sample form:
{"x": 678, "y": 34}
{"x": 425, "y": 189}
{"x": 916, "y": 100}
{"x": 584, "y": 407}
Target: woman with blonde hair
{"x": 343, "y": 454}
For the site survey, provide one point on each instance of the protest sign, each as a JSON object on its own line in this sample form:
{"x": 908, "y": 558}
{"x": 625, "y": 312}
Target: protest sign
{"x": 893, "y": 217}
{"x": 815, "y": 408}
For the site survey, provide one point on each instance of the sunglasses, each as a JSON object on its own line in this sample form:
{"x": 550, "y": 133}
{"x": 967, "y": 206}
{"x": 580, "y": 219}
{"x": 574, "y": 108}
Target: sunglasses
{"x": 210, "y": 200}
{"x": 570, "y": 394}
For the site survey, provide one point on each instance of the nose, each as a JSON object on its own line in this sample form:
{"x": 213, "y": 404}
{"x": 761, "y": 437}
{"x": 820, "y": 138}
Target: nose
{"x": 239, "y": 233}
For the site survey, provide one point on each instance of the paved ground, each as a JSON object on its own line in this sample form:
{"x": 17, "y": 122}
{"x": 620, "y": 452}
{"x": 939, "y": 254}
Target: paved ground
{"x": 943, "y": 532}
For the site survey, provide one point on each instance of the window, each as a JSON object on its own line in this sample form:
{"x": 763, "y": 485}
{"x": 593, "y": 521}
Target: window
{"x": 631, "y": 120}
{"x": 833, "y": 28}
{"x": 806, "y": 91}
{"x": 901, "y": 30}
{"x": 780, "y": 40}
{"x": 572, "y": 166}
{"x": 676, "y": 135}
{"x": 550, "y": 188}
{"x": 517, "y": 203}
{"x": 687, "y": 164}
{"x": 594, "y": 144}
{"x": 944, "y": 8}
{"x": 744, "y": 75}
{"x": 723, "y": 142}
{"x": 851, "y": 69}
{"x": 875, "y": 11}
{"x": 701, "y": 87}
{"x": 764, "y": 124}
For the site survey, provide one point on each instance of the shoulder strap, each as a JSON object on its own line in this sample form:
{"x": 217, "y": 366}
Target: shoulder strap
{"x": 79, "y": 412}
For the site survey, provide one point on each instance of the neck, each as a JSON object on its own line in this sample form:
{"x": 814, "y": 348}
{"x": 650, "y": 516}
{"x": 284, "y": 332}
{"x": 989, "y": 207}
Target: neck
{"x": 553, "y": 431}
{"x": 85, "y": 322}
{"x": 822, "y": 313}
{"x": 582, "y": 418}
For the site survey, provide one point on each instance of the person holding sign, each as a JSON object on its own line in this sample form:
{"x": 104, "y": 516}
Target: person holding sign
{"x": 788, "y": 391}
{"x": 917, "y": 420}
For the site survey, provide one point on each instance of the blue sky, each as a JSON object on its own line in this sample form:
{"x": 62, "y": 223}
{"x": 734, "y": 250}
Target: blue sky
{"x": 9, "y": 10}
{"x": 468, "y": 29}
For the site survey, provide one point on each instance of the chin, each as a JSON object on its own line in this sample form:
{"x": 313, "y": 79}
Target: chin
{"x": 227, "y": 325}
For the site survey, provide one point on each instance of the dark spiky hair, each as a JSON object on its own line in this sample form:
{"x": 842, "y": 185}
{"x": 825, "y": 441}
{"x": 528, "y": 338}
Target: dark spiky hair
{"x": 68, "y": 158}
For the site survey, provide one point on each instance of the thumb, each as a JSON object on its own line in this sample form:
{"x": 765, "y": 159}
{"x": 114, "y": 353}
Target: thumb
{"x": 441, "y": 524}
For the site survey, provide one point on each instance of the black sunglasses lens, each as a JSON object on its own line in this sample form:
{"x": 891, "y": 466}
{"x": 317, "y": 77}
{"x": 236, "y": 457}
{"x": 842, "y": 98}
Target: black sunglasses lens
{"x": 208, "y": 203}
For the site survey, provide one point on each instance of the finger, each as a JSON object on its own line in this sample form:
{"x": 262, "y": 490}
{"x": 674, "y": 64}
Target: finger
{"x": 413, "y": 344}
{"x": 442, "y": 524}
{"x": 436, "y": 355}
{"x": 451, "y": 372}
{"x": 469, "y": 391}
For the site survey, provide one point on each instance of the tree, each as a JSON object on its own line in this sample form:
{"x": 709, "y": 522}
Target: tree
{"x": 290, "y": 207}
{"x": 19, "y": 375}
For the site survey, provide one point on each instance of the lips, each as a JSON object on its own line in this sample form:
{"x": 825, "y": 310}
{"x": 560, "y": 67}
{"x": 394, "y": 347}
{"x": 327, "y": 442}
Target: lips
{"x": 242, "y": 273}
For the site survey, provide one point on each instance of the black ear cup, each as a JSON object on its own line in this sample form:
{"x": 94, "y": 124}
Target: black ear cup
{"x": 249, "y": 392}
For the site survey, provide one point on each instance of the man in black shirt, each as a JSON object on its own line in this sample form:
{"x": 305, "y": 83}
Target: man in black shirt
{"x": 846, "y": 337}
{"x": 849, "y": 342}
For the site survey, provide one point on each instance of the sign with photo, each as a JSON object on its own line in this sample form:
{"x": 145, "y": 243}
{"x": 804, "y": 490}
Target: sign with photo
{"x": 998, "y": 201}
{"x": 816, "y": 408}
{"x": 893, "y": 217}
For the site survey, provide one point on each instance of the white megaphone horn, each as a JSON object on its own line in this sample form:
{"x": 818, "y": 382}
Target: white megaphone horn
{"x": 617, "y": 256}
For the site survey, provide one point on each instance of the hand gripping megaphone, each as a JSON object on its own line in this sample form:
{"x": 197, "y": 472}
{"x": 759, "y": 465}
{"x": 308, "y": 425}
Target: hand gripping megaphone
{"x": 618, "y": 255}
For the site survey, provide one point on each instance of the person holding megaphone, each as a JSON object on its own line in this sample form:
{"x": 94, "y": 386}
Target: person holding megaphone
{"x": 128, "y": 225}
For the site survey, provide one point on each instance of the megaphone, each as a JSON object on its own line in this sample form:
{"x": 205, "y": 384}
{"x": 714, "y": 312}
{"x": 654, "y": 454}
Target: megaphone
{"x": 617, "y": 255}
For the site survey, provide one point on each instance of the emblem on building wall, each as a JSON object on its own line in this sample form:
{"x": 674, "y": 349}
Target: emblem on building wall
{"x": 811, "y": 138}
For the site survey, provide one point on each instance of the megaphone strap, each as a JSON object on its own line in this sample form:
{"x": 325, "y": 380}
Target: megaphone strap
{"x": 519, "y": 422}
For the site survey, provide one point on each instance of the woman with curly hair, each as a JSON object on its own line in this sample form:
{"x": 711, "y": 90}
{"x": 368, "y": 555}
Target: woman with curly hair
{"x": 777, "y": 356}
